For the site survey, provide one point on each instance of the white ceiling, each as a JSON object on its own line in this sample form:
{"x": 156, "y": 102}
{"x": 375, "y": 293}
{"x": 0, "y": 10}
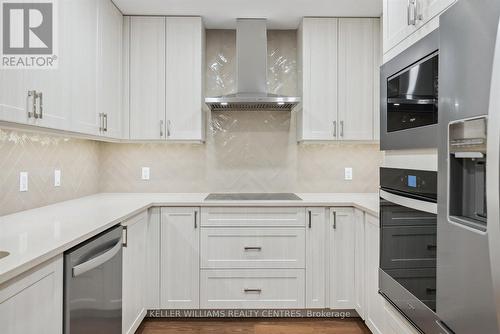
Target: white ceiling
{"x": 281, "y": 14}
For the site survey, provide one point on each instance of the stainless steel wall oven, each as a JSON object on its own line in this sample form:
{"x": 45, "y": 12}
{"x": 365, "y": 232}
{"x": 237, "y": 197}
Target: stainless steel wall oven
{"x": 408, "y": 233}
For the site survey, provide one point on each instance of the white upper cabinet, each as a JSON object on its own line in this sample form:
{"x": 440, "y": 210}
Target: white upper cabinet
{"x": 338, "y": 62}
{"x": 13, "y": 96}
{"x": 358, "y": 56}
{"x": 147, "y": 78}
{"x": 166, "y": 78}
{"x": 184, "y": 89}
{"x": 81, "y": 45}
{"x": 318, "y": 55}
{"x": 109, "y": 83}
{"x": 403, "y": 18}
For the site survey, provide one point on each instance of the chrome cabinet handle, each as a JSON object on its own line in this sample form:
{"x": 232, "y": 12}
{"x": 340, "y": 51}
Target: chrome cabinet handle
{"x": 418, "y": 11}
{"x": 342, "y": 129}
{"x": 40, "y": 96}
{"x": 168, "y": 128}
{"x": 32, "y": 95}
{"x": 105, "y": 121}
{"x": 252, "y": 248}
{"x": 125, "y": 236}
{"x": 252, "y": 290}
{"x": 412, "y": 19}
{"x": 334, "y": 129}
{"x": 161, "y": 128}
{"x": 195, "y": 219}
{"x": 310, "y": 218}
{"x": 101, "y": 123}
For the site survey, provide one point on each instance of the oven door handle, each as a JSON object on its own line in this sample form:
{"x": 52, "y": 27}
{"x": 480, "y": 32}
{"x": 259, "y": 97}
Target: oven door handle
{"x": 411, "y": 203}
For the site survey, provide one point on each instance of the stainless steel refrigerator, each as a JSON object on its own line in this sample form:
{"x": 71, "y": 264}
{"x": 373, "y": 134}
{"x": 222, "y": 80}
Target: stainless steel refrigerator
{"x": 468, "y": 234}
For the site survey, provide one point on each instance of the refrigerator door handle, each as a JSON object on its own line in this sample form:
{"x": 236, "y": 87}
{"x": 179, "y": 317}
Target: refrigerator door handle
{"x": 411, "y": 203}
{"x": 492, "y": 174}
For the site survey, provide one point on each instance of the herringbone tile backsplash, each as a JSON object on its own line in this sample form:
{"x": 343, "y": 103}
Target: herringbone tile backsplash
{"x": 40, "y": 155}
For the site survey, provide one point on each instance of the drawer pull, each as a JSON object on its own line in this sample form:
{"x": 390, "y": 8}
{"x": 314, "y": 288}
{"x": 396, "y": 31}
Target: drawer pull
{"x": 253, "y": 249}
{"x": 252, "y": 290}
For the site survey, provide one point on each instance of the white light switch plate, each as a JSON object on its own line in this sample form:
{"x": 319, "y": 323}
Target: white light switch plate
{"x": 348, "y": 174}
{"x": 57, "y": 178}
{"x": 145, "y": 173}
{"x": 23, "y": 181}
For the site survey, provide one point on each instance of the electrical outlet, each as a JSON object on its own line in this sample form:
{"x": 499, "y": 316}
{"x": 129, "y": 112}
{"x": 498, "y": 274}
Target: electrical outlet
{"x": 57, "y": 178}
{"x": 348, "y": 174}
{"x": 145, "y": 173}
{"x": 23, "y": 181}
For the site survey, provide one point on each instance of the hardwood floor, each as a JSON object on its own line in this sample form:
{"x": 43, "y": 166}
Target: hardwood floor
{"x": 253, "y": 326}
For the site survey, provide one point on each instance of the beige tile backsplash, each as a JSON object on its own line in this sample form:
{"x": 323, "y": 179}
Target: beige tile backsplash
{"x": 40, "y": 155}
{"x": 244, "y": 151}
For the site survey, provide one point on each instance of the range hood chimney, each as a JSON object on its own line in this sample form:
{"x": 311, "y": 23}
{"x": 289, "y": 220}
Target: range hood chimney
{"x": 251, "y": 54}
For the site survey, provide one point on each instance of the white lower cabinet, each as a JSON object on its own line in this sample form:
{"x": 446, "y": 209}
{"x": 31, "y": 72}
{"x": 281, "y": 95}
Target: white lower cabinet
{"x": 32, "y": 303}
{"x": 316, "y": 263}
{"x": 359, "y": 262}
{"x": 342, "y": 259}
{"x": 180, "y": 258}
{"x": 134, "y": 273}
{"x": 252, "y": 288}
{"x": 374, "y": 307}
{"x": 232, "y": 248}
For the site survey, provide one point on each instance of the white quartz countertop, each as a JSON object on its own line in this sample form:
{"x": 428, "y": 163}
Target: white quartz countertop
{"x": 37, "y": 235}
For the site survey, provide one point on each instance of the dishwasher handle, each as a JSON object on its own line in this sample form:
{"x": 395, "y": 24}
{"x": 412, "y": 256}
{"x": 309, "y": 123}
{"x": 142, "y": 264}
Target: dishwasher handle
{"x": 98, "y": 260}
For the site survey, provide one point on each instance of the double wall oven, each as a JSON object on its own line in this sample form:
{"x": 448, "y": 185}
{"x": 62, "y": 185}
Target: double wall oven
{"x": 409, "y": 97}
{"x": 408, "y": 231}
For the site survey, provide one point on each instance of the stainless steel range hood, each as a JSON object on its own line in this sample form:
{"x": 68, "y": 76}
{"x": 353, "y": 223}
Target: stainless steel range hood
{"x": 251, "y": 53}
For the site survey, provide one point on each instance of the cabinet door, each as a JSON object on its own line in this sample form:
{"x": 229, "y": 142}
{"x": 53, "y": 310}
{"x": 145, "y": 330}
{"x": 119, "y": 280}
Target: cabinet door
{"x": 53, "y": 84}
{"x": 32, "y": 303}
{"x": 184, "y": 67}
{"x": 315, "y": 257}
{"x": 109, "y": 83}
{"x": 318, "y": 117}
{"x": 180, "y": 258}
{"x": 153, "y": 260}
{"x": 81, "y": 70}
{"x": 342, "y": 238}
{"x": 356, "y": 78}
{"x": 359, "y": 262}
{"x": 134, "y": 269}
{"x": 396, "y": 25}
{"x": 147, "y": 77}
{"x": 374, "y": 307}
{"x": 431, "y": 8}
{"x": 13, "y": 96}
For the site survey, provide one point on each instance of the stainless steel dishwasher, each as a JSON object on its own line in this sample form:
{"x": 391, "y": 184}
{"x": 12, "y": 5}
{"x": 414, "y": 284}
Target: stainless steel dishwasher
{"x": 93, "y": 285}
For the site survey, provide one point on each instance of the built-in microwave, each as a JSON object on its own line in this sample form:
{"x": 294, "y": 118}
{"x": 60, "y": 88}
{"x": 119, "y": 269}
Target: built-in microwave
{"x": 409, "y": 97}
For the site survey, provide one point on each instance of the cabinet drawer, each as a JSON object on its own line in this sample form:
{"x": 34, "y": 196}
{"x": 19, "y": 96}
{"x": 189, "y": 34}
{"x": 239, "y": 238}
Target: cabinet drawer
{"x": 252, "y": 217}
{"x": 253, "y": 289}
{"x": 252, "y": 248}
